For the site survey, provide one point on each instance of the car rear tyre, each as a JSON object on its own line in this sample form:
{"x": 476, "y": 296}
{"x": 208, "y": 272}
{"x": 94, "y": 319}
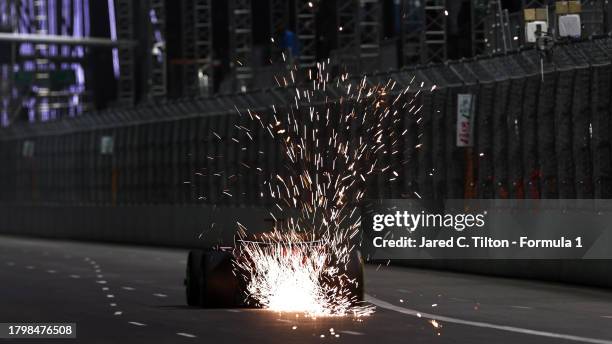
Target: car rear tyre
{"x": 194, "y": 278}
{"x": 221, "y": 287}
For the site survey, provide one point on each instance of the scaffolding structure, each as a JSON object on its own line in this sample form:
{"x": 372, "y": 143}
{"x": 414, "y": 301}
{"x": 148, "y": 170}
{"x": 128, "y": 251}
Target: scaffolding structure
{"x": 424, "y": 31}
{"x": 348, "y": 34}
{"x": 158, "y": 61}
{"x": 197, "y": 47}
{"x": 241, "y": 42}
{"x": 305, "y": 12}
{"x": 369, "y": 34}
{"x": 124, "y": 13}
{"x": 279, "y": 22}
{"x": 593, "y": 17}
{"x": 481, "y": 23}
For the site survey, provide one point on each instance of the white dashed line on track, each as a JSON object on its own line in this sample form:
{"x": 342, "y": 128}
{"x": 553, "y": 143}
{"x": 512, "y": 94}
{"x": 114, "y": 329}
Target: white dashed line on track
{"x": 160, "y": 295}
{"x": 75, "y": 276}
{"x": 101, "y": 282}
{"x": 135, "y": 323}
{"x": 352, "y": 333}
{"x": 183, "y": 334}
{"x": 118, "y": 313}
{"x": 411, "y": 312}
{"x": 110, "y": 296}
{"x": 521, "y": 307}
{"x": 113, "y": 304}
{"x": 127, "y": 288}
{"x": 51, "y": 271}
{"x": 285, "y": 321}
{"x": 30, "y": 267}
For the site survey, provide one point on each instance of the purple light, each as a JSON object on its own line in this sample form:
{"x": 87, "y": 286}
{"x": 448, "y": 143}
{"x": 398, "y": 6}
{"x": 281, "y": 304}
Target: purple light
{"x": 113, "y": 33}
{"x": 52, "y": 21}
{"x": 86, "y": 16}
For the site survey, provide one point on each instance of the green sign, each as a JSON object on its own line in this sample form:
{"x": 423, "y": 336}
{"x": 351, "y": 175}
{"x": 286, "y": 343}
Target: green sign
{"x": 58, "y": 79}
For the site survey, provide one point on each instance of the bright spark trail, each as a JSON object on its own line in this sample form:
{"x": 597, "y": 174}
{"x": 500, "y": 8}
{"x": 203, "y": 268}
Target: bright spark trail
{"x": 331, "y": 146}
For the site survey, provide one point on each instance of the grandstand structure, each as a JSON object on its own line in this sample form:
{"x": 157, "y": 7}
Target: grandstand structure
{"x": 184, "y": 51}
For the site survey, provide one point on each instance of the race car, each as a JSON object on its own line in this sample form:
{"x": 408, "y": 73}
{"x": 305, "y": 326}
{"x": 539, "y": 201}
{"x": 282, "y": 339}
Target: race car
{"x": 211, "y": 282}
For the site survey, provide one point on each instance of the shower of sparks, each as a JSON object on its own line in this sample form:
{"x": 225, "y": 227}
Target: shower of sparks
{"x": 288, "y": 273}
{"x": 331, "y": 147}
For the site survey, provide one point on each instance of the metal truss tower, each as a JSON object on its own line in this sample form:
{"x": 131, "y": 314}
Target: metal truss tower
{"x": 369, "y": 35}
{"x": 241, "y": 42}
{"x": 435, "y": 31}
{"x": 593, "y": 17}
{"x": 41, "y": 52}
{"x": 413, "y": 26}
{"x": 197, "y": 47}
{"x": 424, "y": 31}
{"x": 157, "y": 37}
{"x": 125, "y": 31}
{"x": 348, "y": 34}
{"x": 279, "y": 21}
{"x": 480, "y": 15}
{"x": 306, "y": 32}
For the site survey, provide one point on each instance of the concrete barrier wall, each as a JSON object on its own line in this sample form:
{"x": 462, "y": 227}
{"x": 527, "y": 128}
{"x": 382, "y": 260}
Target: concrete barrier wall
{"x": 180, "y": 226}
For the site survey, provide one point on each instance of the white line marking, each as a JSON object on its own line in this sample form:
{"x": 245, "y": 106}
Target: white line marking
{"x": 137, "y": 323}
{"x": 118, "y": 313}
{"x": 388, "y": 306}
{"x": 521, "y": 307}
{"x": 233, "y": 310}
{"x": 607, "y": 316}
{"x": 353, "y": 333}
{"x": 458, "y": 299}
{"x": 75, "y": 276}
{"x": 51, "y": 271}
{"x": 101, "y": 282}
{"x": 127, "y": 288}
{"x": 113, "y": 304}
{"x": 105, "y": 288}
{"x": 160, "y": 295}
{"x": 30, "y": 267}
{"x": 110, "y": 296}
{"x": 100, "y": 276}
{"x": 183, "y": 334}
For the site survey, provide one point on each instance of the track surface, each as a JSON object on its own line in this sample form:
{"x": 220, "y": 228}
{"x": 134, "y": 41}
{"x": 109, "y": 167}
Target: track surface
{"x": 122, "y": 294}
